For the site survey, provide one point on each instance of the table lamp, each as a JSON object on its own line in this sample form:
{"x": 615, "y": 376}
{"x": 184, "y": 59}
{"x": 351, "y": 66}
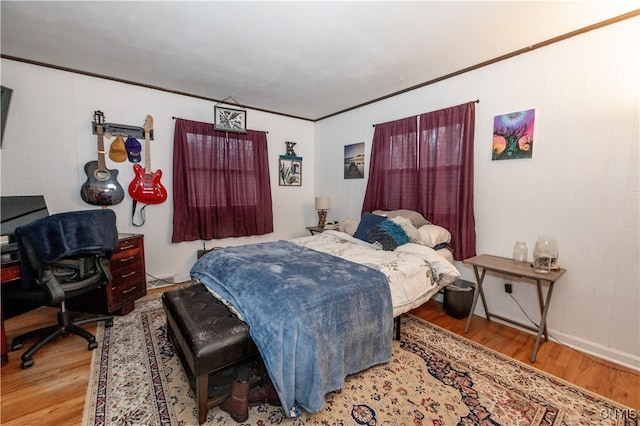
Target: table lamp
{"x": 322, "y": 205}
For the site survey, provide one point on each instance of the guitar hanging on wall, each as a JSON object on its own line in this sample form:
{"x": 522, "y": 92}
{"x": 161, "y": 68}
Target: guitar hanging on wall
{"x": 146, "y": 186}
{"x": 101, "y": 187}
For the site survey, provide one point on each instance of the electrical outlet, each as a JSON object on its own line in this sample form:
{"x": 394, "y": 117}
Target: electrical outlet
{"x": 508, "y": 287}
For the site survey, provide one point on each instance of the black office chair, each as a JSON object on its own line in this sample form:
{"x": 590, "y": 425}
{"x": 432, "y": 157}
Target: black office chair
{"x": 63, "y": 256}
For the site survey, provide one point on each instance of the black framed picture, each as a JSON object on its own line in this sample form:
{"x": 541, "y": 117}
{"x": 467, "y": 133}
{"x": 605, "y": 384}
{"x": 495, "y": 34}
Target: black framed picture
{"x": 230, "y": 119}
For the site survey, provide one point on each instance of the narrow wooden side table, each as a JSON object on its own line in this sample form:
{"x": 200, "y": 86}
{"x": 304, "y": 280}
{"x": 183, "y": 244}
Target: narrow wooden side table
{"x": 315, "y": 229}
{"x": 485, "y": 262}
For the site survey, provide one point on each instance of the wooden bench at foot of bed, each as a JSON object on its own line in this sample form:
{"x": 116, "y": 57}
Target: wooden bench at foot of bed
{"x": 211, "y": 342}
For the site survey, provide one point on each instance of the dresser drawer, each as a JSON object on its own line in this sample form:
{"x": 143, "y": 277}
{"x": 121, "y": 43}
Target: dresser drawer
{"x": 128, "y": 280}
{"x": 128, "y": 276}
{"x": 126, "y": 291}
{"x": 128, "y": 256}
{"x": 129, "y": 268}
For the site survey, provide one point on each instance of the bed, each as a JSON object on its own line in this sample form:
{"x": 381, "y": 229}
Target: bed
{"x": 321, "y": 307}
{"x": 415, "y": 272}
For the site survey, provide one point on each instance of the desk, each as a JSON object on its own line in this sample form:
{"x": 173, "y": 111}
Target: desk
{"x": 9, "y": 271}
{"x": 502, "y": 265}
{"x": 128, "y": 283}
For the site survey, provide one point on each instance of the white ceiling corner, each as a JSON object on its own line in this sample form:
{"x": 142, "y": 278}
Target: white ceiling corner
{"x": 306, "y": 59}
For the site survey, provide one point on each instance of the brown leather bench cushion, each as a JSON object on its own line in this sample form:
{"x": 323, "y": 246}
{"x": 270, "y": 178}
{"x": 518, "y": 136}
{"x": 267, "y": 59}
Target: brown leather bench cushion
{"x": 209, "y": 335}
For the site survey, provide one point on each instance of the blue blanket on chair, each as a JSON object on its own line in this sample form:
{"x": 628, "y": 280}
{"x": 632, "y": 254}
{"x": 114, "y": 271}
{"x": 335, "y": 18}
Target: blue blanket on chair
{"x": 67, "y": 234}
{"x": 314, "y": 317}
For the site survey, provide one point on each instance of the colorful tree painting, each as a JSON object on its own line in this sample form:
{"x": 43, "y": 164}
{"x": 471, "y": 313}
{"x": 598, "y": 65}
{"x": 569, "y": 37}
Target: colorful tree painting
{"x": 513, "y": 135}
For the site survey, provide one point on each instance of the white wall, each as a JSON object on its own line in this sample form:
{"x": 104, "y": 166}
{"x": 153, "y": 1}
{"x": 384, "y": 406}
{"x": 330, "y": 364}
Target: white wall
{"x": 581, "y": 185}
{"x": 48, "y": 140}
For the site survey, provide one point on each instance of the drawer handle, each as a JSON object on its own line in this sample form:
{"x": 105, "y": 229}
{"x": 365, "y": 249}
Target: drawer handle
{"x": 128, "y": 275}
{"x": 129, "y": 290}
{"x": 126, "y": 259}
{"x": 127, "y": 247}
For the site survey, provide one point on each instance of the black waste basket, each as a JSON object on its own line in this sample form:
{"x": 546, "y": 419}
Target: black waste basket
{"x": 458, "y": 298}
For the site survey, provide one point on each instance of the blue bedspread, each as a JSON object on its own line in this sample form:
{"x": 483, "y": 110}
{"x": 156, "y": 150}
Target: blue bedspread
{"x": 315, "y": 318}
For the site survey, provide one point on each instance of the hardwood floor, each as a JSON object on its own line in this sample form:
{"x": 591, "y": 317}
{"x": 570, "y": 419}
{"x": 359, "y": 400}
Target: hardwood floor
{"x": 52, "y": 392}
{"x": 599, "y": 376}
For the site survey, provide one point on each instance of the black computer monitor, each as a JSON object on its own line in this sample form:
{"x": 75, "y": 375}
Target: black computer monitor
{"x": 20, "y": 210}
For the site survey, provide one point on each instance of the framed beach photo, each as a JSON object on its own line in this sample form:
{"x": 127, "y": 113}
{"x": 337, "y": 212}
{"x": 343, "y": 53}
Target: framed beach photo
{"x": 230, "y": 119}
{"x": 354, "y": 161}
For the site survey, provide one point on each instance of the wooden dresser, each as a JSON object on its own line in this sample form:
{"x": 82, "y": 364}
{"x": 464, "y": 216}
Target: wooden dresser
{"x": 128, "y": 283}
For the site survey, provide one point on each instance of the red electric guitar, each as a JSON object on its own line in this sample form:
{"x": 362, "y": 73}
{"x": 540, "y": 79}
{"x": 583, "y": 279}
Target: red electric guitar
{"x": 146, "y": 186}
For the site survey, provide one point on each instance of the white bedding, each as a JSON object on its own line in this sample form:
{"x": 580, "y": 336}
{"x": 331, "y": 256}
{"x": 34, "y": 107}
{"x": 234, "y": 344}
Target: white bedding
{"x": 415, "y": 272}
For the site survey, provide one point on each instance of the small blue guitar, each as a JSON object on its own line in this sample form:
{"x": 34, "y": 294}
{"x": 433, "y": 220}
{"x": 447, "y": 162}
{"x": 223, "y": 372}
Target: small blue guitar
{"x": 101, "y": 187}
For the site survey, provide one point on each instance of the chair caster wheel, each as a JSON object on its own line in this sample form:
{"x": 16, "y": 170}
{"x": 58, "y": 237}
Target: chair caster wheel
{"x": 93, "y": 345}
{"x": 108, "y": 323}
{"x": 16, "y": 346}
{"x": 26, "y": 364}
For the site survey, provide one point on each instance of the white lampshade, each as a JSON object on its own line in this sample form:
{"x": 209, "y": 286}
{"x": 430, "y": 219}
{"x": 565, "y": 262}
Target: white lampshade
{"x": 323, "y": 203}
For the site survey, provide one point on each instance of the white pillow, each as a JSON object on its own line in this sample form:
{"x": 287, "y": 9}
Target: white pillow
{"x": 348, "y": 226}
{"x": 408, "y": 228}
{"x": 416, "y": 218}
{"x": 431, "y": 235}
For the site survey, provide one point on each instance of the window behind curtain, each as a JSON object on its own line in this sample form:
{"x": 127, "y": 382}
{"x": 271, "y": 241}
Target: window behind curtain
{"x": 394, "y": 167}
{"x": 221, "y": 183}
{"x": 433, "y": 154}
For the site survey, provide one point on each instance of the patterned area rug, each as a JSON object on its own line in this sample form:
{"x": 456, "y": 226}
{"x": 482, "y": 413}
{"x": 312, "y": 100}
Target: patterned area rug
{"x": 434, "y": 378}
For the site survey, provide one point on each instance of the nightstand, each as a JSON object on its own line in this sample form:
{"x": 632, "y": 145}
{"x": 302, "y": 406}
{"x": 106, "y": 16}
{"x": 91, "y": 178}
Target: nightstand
{"x": 315, "y": 229}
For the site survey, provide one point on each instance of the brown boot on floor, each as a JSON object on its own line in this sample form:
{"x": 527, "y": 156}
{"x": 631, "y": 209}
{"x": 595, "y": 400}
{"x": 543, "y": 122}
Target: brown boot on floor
{"x": 237, "y": 404}
{"x": 265, "y": 393}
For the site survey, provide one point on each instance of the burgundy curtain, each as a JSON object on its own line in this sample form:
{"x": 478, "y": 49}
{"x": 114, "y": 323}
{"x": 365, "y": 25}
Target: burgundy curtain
{"x": 393, "y": 167}
{"x": 221, "y": 183}
{"x": 446, "y": 174}
{"x": 429, "y": 171}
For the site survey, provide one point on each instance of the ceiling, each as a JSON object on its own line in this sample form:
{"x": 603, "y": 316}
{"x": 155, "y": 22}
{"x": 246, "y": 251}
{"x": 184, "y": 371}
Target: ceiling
{"x": 304, "y": 59}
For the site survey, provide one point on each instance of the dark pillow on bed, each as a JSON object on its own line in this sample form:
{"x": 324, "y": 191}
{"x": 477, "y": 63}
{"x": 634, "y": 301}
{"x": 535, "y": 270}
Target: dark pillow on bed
{"x": 367, "y": 222}
{"x": 388, "y": 234}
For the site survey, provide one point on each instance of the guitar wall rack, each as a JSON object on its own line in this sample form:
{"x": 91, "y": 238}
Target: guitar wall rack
{"x": 121, "y": 129}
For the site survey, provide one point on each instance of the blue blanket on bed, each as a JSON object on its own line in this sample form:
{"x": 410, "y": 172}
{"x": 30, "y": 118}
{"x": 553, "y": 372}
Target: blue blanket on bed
{"x": 315, "y": 318}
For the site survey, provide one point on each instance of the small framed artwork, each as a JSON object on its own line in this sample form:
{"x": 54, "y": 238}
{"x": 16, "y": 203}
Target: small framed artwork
{"x": 230, "y": 119}
{"x": 513, "y": 135}
{"x": 354, "y": 161}
{"x": 5, "y": 97}
{"x": 290, "y": 171}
